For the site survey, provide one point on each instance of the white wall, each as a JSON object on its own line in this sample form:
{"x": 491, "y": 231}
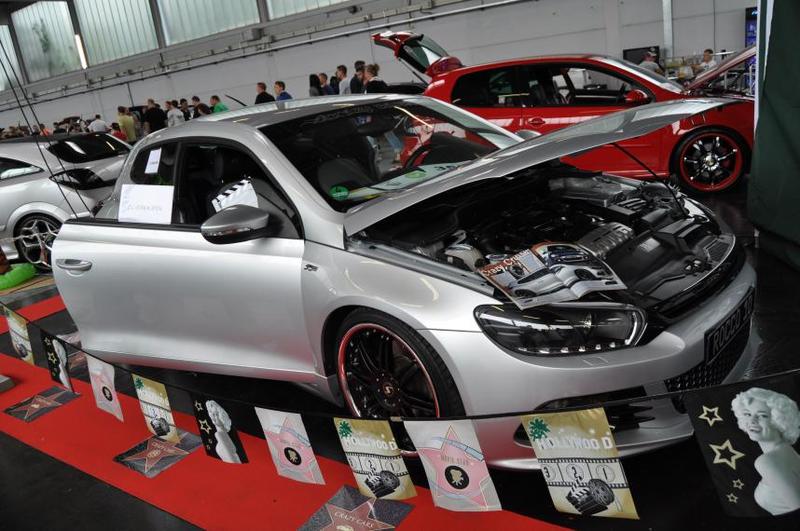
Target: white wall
{"x": 527, "y": 28}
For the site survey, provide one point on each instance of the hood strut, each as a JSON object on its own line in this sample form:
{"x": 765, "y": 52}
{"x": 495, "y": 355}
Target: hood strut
{"x": 656, "y": 177}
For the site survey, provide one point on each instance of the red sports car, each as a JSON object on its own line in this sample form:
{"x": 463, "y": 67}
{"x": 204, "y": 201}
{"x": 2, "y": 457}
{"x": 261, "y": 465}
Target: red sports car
{"x": 708, "y": 153}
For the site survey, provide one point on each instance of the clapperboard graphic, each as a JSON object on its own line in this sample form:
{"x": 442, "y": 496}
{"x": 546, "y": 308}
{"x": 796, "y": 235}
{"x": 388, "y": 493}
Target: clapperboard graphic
{"x": 240, "y": 193}
{"x": 591, "y": 481}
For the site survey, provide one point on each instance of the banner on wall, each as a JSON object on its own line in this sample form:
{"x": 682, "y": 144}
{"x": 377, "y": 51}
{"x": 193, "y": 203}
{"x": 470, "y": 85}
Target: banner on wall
{"x": 220, "y": 439}
{"x": 101, "y": 376}
{"x": 375, "y": 459}
{"x": 580, "y": 463}
{"x": 454, "y": 464}
{"x": 290, "y": 446}
{"x": 155, "y": 406}
{"x": 748, "y": 436}
{"x": 55, "y": 352}
{"x": 18, "y": 330}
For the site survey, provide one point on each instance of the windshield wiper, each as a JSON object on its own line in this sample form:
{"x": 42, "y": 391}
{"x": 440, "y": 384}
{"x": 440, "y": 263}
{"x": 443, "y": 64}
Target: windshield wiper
{"x": 636, "y": 159}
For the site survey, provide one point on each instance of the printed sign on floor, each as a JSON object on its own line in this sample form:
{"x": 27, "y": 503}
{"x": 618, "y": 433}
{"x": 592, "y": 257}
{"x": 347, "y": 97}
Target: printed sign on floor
{"x": 748, "y": 435}
{"x": 220, "y": 439}
{"x": 155, "y": 406}
{"x": 454, "y": 464}
{"x": 580, "y": 463}
{"x": 289, "y": 446}
{"x": 18, "y": 330}
{"x": 40, "y": 404}
{"x": 375, "y": 459}
{"x": 101, "y": 375}
{"x": 152, "y": 456}
{"x": 55, "y": 351}
{"x": 349, "y": 510}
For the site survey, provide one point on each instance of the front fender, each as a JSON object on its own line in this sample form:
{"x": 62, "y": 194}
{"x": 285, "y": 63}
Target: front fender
{"x": 37, "y": 208}
{"x": 345, "y": 279}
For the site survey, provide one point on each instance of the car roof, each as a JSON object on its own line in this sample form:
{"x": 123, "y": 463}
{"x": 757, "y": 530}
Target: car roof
{"x": 276, "y": 112}
{"x": 41, "y": 139}
{"x": 564, "y": 58}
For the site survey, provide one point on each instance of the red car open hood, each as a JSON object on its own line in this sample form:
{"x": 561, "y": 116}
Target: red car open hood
{"x": 417, "y": 51}
{"x": 709, "y": 75}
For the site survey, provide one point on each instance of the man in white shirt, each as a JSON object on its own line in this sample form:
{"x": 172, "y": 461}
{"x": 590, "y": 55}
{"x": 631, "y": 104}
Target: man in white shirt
{"x": 98, "y": 125}
{"x": 174, "y": 114}
{"x": 344, "y": 83}
{"x": 707, "y": 63}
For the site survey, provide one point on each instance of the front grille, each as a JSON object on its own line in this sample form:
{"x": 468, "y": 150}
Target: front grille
{"x": 710, "y": 374}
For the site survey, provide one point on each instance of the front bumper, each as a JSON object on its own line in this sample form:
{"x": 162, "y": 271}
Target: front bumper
{"x": 494, "y": 381}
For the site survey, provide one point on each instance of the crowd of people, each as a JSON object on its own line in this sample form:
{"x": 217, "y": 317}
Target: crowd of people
{"x": 132, "y": 123}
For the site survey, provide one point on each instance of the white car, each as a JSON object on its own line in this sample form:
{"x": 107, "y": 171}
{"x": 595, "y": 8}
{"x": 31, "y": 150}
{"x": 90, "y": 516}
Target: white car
{"x": 45, "y": 181}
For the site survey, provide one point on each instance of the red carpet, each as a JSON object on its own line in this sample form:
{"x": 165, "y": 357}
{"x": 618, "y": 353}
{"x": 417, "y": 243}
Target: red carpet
{"x": 209, "y": 493}
{"x": 36, "y": 311}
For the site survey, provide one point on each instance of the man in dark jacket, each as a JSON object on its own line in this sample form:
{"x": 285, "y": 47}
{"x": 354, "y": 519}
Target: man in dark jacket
{"x": 262, "y": 95}
{"x": 154, "y": 117}
{"x": 356, "y": 83}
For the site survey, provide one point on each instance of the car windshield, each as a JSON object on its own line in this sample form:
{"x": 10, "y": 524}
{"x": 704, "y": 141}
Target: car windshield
{"x": 85, "y": 148}
{"x": 356, "y": 152}
{"x": 653, "y": 77}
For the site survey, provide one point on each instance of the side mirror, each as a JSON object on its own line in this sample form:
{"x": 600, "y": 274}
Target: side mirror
{"x": 636, "y": 97}
{"x": 236, "y": 223}
{"x": 527, "y": 134}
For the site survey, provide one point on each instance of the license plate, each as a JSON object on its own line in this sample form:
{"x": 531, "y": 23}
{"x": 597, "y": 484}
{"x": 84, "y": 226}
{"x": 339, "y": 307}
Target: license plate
{"x": 720, "y": 336}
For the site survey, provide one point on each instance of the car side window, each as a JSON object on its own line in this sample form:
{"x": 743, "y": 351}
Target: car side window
{"x": 496, "y": 87}
{"x": 155, "y": 165}
{"x": 10, "y": 168}
{"x": 213, "y": 176}
{"x": 574, "y": 85}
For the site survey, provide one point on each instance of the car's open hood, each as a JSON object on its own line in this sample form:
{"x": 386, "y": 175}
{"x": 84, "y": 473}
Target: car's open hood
{"x": 587, "y": 135}
{"x": 713, "y": 73}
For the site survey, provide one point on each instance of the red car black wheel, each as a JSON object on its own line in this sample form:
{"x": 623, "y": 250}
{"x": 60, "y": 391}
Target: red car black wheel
{"x": 710, "y": 161}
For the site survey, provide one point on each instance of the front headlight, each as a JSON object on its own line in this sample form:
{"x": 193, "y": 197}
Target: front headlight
{"x": 562, "y": 329}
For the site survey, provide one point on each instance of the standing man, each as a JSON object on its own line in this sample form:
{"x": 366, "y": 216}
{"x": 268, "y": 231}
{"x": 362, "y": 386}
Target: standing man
{"x": 357, "y": 81}
{"x": 707, "y": 63}
{"x": 326, "y": 89}
{"x": 98, "y": 125}
{"x": 184, "y": 106}
{"x": 262, "y": 96}
{"x": 216, "y": 104}
{"x": 280, "y": 91}
{"x": 649, "y": 62}
{"x": 126, "y": 124}
{"x": 174, "y": 114}
{"x": 372, "y": 83}
{"x": 154, "y": 118}
{"x": 195, "y": 103}
{"x": 341, "y": 74}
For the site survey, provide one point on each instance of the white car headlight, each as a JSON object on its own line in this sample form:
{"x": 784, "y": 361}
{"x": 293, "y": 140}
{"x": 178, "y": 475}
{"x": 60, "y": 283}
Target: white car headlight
{"x": 562, "y": 329}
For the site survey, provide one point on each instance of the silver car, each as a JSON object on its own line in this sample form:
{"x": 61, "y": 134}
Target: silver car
{"x": 34, "y": 202}
{"x": 336, "y": 243}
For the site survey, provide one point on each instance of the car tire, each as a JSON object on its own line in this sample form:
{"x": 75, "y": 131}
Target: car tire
{"x": 388, "y": 389}
{"x": 710, "y": 160}
{"x": 25, "y": 226}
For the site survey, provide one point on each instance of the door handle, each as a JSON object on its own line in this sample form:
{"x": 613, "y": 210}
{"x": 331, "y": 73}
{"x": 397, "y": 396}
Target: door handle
{"x": 535, "y": 121}
{"x": 70, "y": 264}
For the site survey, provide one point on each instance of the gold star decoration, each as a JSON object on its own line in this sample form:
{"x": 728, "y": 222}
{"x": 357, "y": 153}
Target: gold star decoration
{"x": 204, "y": 426}
{"x": 710, "y": 420}
{"x": 738, "y": 484}
{"x": 733, "y": 498}
{"x": 52, "y": 357}
{"x": 198, "y": 406}
{"x": 732, "y": 454}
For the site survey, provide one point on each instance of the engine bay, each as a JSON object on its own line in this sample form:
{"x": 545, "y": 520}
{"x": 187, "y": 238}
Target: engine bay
{"x": 658, "y": 242}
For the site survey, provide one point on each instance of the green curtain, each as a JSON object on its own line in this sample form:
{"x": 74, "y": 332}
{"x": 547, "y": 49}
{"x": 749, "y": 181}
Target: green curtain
{"x": 774, "y": 186}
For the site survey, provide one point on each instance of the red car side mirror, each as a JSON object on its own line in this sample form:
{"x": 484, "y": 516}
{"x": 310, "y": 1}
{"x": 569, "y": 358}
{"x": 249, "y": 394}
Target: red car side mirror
{"x": 636, "y": 97}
